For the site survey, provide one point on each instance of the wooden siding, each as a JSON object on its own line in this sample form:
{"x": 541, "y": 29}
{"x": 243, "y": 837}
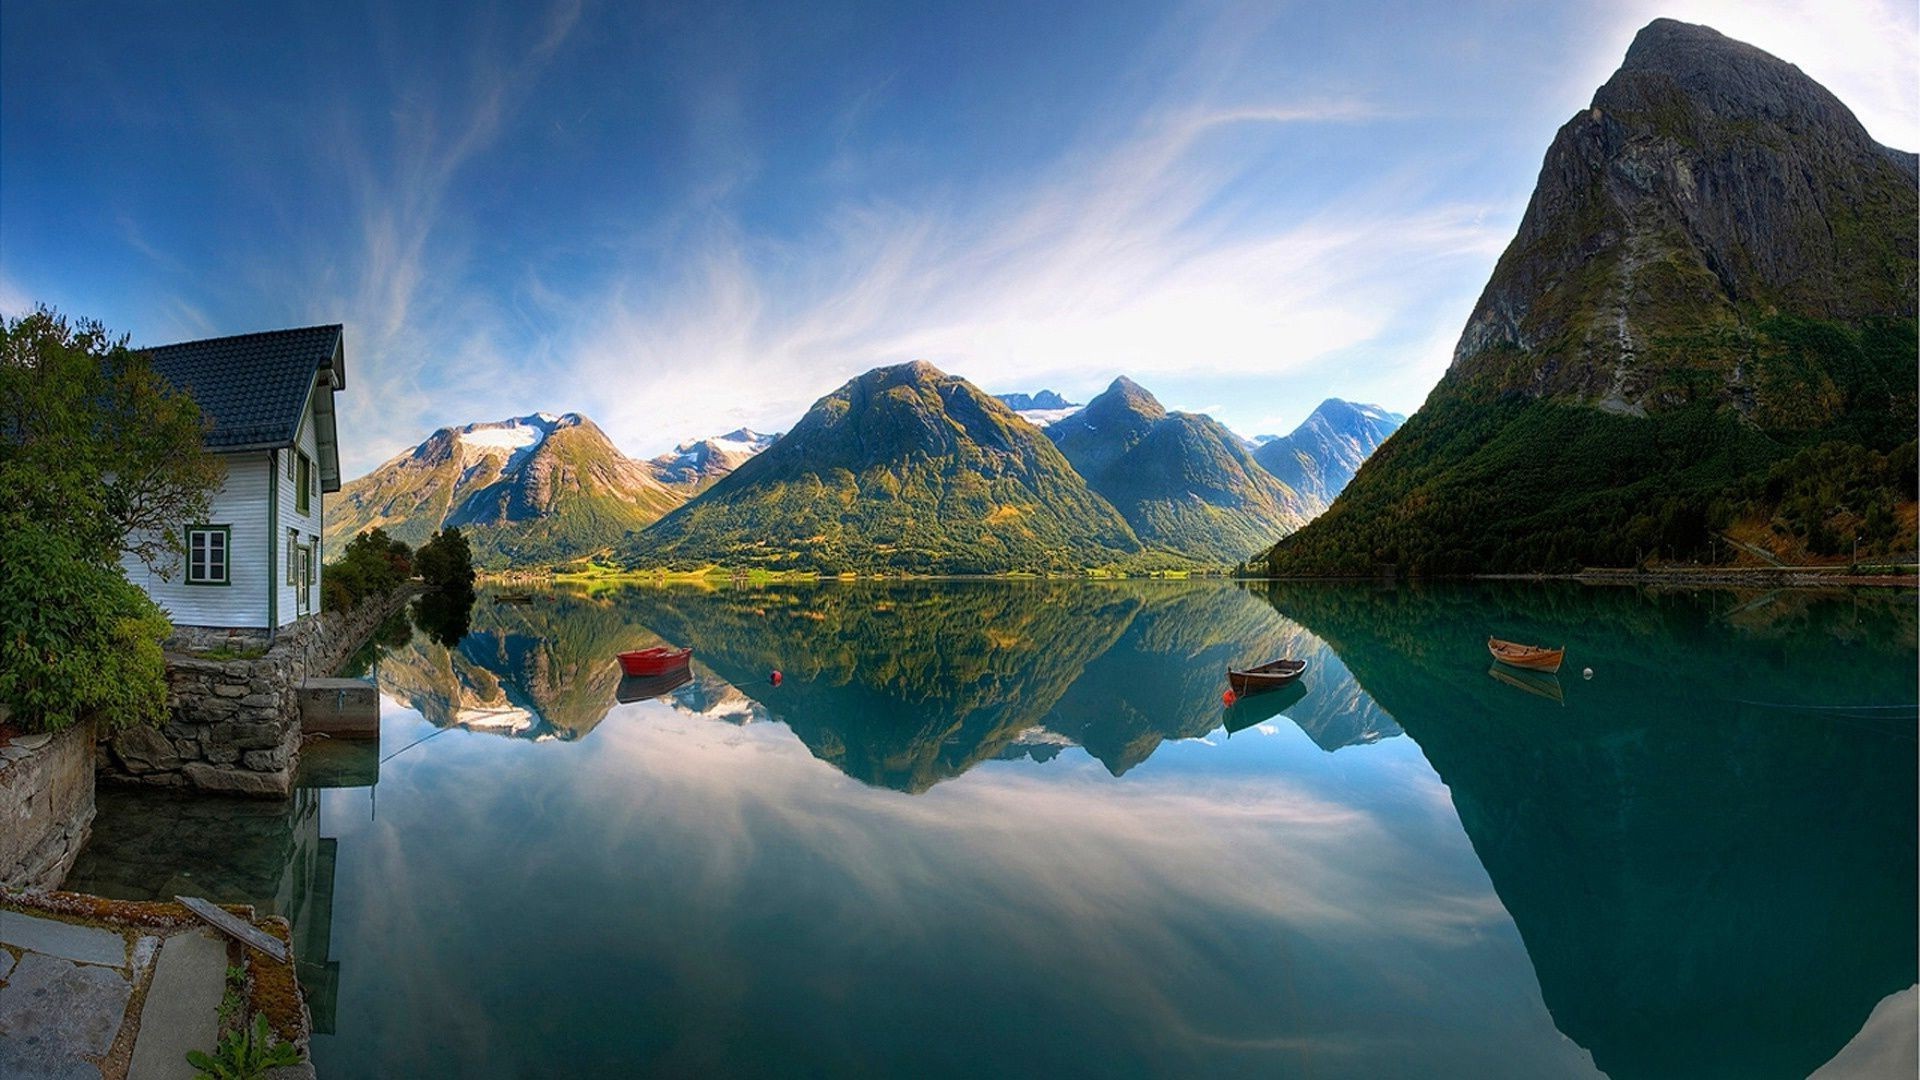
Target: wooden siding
{"x": 241, "y": 503}
{"x": 308, "y": 525}
{"x": 259, "y": 544}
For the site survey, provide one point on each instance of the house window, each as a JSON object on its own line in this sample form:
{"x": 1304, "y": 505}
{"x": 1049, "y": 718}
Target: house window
{"x": 208, "y": 549}
{"x": 293, "y": 556}
{"x": 289, "y": 466}
{"x": 303, "y": 485}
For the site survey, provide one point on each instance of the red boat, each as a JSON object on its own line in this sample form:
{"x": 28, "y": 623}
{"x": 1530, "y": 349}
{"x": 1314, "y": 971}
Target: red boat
{"x": 655, "y": 661}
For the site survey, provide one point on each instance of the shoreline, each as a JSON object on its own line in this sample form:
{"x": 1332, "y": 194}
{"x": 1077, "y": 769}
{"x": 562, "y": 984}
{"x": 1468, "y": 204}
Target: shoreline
{"x": 1748, "y": 576}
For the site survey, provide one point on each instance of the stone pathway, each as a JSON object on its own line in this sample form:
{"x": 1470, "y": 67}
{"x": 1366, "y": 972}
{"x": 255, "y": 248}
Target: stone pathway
{"x": 68, "y": 992}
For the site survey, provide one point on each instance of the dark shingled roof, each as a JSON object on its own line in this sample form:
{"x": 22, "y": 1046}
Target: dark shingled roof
{"x": 251, "y": 387}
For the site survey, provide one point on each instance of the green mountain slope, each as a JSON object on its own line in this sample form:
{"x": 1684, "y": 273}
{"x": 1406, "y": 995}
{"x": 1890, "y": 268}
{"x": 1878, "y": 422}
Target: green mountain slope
{"x": 1183, "y": 481}
{"x": 903, "y": 468}
{"x": 529, "y": 491}
{"x": 1704, "y": 323}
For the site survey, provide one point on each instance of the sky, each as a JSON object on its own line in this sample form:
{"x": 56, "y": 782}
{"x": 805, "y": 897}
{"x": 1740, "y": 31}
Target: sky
{"x": 682, "y": 218}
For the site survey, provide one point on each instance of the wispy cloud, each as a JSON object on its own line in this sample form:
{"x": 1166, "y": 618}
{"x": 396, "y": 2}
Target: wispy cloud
{"x": 14, "y": 299}
{"x": 1112, "y": 262}
{"x": 424, "y": 331}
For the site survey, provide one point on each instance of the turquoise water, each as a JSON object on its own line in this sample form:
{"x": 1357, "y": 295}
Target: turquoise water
{"x": 1010, "y": 829}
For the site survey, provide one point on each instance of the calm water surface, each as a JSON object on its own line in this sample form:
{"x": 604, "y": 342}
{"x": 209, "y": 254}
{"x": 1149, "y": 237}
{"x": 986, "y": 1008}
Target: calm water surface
{"x": 1008, "y": 829}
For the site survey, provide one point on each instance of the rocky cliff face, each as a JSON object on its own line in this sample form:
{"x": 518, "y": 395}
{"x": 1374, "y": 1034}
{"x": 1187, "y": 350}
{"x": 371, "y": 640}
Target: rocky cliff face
{"x": 1707, "y": 185}
{"x": 1704, "y": 324}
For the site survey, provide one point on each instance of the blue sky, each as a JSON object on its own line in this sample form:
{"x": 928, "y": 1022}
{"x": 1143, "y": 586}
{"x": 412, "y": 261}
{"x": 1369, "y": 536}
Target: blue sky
{"x": 681, "y": 218}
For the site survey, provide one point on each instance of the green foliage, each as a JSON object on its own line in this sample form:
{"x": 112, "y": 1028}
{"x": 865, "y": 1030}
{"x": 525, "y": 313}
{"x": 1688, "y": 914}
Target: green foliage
{"x": 98, "y": 457}
{"x": 94, "y": 445}
{"x": 76, "y": 638}
{"x": 446, "y": 565}
{"x": 901, "y": 470}
{"x": 1183, "y": 482}
{"x": 231, "y": 1001}
{"x": 373, "y": 564}
{"x": 246, "y": 1054}
{"x": 446, "y": 561}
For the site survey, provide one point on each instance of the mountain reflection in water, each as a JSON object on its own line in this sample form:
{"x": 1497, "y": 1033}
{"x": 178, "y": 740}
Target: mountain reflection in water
{"x": 1700, "y": 862}
{"x": 1669, "y": 837}
{"x": 900, "y": 686}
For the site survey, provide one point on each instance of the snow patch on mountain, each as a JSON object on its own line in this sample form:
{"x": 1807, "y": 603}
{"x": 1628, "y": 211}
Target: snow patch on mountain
{"x": 702, "y": 460}
{"x": 1046, "y": 417}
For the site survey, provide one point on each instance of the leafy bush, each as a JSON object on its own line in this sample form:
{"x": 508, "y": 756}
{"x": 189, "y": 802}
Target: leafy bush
{"x": 79, "y": 640}
{"x": 372, "y": 564}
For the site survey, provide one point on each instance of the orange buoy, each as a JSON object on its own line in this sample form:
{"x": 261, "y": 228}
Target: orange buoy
{"x": 1229, "y": 698}
{"x": 775, "y": 678}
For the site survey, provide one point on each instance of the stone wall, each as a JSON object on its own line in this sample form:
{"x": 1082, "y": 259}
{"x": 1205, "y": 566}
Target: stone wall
{"x": 46, "y": 805}
{"x": 234, "y": 724}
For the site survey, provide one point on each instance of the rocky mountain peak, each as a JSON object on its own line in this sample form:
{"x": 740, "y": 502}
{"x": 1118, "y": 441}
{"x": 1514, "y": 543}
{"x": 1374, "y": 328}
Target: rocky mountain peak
{"x": 913, "y": 371}
{"x": 1124, "y": 395}
{"x": 1724, "y": 79}
{"x": 1708, "y": 183}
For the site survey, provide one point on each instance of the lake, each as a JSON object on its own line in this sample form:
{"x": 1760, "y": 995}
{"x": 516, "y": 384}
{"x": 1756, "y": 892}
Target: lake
{"x": 1011, "y": 829}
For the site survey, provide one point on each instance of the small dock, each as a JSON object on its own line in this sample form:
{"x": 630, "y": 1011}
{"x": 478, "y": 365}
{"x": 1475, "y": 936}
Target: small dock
{"x": 340, "y": 708}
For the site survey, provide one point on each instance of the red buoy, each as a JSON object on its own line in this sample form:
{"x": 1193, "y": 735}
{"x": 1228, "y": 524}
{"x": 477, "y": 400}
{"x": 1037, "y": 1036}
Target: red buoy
{"x": 1229, "y": 698}
{"x": 774, "y": 678}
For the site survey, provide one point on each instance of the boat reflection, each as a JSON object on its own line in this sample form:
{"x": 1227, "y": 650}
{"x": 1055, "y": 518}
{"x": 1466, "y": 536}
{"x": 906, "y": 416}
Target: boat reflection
{"x": 1539, "y": 684}
{"x": 1257, "y": 709}
{"x": 634, "y": 688}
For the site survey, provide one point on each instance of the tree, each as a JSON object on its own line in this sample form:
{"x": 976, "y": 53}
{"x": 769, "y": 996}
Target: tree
{"x": 98, "y": 457}
{"x": 372, "y": 564}
{"x": 95, "y": 445}
{"x": 445, "y": 561}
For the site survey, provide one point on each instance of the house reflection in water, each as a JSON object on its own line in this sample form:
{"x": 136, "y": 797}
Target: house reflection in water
{"x": 269, "y": 854}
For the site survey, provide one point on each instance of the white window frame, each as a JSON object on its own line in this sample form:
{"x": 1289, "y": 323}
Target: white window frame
{"x": 303, "y": 490}
{"x": 201, "y": 567}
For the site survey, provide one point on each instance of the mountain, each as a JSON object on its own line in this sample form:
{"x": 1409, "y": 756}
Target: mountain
{"x": 1045, "y": 399}
{"x": 533, "y": 489}
{"x": 1322, "y": 454}
{"x": 1183, "y": 481}
{"x": 696, "y": 465}
{"x": 1705, "y": 324}
{"x": 1039, "y": 409}
{"x": 904, "y": 468}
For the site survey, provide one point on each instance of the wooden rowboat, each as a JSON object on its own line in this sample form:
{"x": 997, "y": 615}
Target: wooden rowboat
{"x": 1531, "y": 657}
{"x": 1268, "y": 676}
{"x": 655, "y": 661}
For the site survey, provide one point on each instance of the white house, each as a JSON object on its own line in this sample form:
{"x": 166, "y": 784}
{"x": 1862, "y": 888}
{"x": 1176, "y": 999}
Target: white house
{"x": 254, "y": 563}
